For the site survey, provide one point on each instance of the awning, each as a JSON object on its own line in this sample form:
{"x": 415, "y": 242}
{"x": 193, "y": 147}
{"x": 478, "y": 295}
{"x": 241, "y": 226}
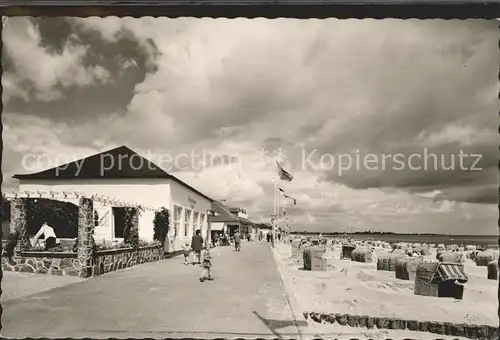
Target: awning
{"x": 437, "y": 272}
{"x": 216, "y": 227}
{"x": 451, "y": 271}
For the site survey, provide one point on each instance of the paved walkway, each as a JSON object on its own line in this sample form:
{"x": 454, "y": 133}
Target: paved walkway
{"x": 163, "y": 299}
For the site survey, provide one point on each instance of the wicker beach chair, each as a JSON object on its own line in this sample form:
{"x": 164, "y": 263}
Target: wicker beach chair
{"x": 451, "y": 257}
{"x": 406, "y": 268}
{"x": 440, "y": 279}
{"x": 347, "y": 250}
{"x": 492, "y": 270}
{"x": 387, "y": 261}
{"x": 314, "y": 259}
{"x": 482, "y": 258}
{"x": 362, "y": 255}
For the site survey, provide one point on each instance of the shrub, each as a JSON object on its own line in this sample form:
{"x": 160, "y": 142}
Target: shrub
{"x": 109, "y": 245}
{"x": 57, "y": 249}
{"x": 11, "y": 244}
{"x": 143, "y": 243}
{"x": 161, "y": 225}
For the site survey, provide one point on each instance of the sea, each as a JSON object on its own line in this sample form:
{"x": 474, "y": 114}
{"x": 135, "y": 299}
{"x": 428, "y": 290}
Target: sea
{"x": 491, "y": 241}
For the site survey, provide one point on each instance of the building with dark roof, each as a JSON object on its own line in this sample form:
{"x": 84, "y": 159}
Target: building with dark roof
{"x": 123, "y": 174}
{"x": 229, "y": 219}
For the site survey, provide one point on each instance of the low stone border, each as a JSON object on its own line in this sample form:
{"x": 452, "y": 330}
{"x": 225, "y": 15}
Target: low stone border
{"x": 106, "y": 261}
{"x": 65, "y": 263}
{"x": 435, "y": 327}
{"x": 53, "y": 263}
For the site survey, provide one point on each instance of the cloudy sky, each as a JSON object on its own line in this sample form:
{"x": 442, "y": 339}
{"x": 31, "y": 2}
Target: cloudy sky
{"x": 320, "y": 88}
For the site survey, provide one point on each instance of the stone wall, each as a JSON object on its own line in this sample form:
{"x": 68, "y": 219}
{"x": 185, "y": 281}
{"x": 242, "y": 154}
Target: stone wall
{"x": 111, "y": 260}
{"x": 103, "y": 261}
{"x": 85, "y": 239}
{"x": 86, "y": 262}
{"x": 18, "y": 223}
{"x": 369, "y": 322}
{"x": 43, "y": 263}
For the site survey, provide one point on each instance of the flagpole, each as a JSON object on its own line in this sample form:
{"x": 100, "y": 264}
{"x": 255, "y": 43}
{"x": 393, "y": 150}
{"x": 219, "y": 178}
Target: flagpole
{"x": 279, "y": 210}
{"x": 274, "y": 212}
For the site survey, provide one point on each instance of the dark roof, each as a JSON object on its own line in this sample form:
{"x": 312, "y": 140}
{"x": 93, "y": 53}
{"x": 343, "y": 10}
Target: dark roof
{"x": 117, "y": 163}
{"x": 245, "y": 221}
{"x": 224, "y": 213}
{"x": 264, "y": 226}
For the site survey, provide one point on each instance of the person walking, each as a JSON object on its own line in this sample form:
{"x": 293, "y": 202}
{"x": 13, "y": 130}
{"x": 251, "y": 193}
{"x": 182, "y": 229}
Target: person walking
{"x": 197, "y": 246}
{"x": 237, "y": 241}
{"x": 186, "y": 249}
{"x": 206, "y": 273}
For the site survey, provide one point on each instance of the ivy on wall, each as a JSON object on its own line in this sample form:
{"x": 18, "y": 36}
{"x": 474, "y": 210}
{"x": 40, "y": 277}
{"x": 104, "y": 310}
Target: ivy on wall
{"x": 12, "y": 240}
{"x": 131, "y": 229}
{"x": 161, "y": 224}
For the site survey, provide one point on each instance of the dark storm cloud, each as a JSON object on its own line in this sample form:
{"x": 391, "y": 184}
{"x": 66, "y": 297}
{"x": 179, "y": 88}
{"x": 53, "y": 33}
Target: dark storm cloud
{"x": 442, "y": 170}
{"x": 487, "y": 194}
{"x": 124, "y": 59}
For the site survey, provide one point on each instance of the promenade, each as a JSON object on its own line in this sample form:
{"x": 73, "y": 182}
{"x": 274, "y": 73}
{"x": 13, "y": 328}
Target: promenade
{"x": 247, "y": 299}
{"x": 162, "y": 299}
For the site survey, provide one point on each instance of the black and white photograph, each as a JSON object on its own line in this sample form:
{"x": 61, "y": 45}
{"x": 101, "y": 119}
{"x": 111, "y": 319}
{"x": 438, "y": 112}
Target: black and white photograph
{"x": 250, "y": 178}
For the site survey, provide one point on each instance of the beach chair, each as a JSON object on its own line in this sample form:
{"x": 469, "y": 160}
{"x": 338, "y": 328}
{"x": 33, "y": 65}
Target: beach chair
{"x": 440, "y": 279}
{"x": 347, "y": 250}
{"x": 406, "y": 268}
{"x": 313, "y": 258}
{"x": 492, "y": 270}
{"x": 388, "y": 261}
{"x": 452, "y": 257}
{"x": 362, "y": 255}
{"x": 482, "y": 258}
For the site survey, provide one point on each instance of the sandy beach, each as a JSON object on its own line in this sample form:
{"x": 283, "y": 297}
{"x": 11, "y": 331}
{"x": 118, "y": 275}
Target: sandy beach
{"x": 359, "y": 288}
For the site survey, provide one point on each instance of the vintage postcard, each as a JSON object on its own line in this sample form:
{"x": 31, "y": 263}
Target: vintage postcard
{"x": 250, "y": 178}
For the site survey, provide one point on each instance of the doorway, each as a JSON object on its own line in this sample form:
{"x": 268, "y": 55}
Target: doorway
{"x": 119, "y": 219}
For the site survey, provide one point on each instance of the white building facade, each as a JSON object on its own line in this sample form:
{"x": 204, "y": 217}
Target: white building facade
{"x": 188, "y": 207}
{"x": 188, "y": 214}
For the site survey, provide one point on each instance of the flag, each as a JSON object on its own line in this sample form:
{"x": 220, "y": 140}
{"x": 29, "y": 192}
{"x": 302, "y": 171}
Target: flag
{"x": 288, "y": 196}
{"x": 283, "y": 174}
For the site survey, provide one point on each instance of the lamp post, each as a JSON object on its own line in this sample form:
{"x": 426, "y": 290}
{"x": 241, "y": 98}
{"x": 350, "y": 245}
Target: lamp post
{"x": 210, "y": 213}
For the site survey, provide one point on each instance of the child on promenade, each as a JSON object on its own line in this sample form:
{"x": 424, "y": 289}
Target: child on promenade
{"x": 237, "y": 241}
{"x": 207, "y": 265}
{"x": 186, "y": 249}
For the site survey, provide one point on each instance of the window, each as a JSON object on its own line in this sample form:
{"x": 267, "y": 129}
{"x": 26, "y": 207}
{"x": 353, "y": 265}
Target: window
{"x": 187, "y": 220}
{"x": 177, "y": 220}
{"x": 195, "y": 222}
